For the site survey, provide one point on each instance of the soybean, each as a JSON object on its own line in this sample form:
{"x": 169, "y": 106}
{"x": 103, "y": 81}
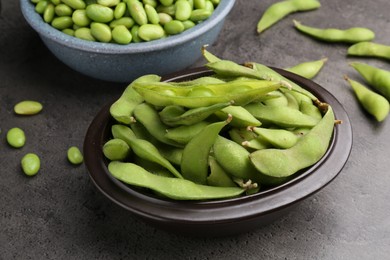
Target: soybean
{"x": 30, "y": 164}
{"x": 28, "y": 107}
{"x": 373, "y": 103}
{"x": 74, "y": 155}
{"x": 16, "y": 137}
{"x": 279, "y": 10}
{"x": 351, "y": 35}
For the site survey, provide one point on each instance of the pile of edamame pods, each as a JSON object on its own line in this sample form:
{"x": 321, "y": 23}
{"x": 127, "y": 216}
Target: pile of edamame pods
{"x": 124, "y": 21}
{"x": 237, "y": 132}
{"x": 374, "y": 99}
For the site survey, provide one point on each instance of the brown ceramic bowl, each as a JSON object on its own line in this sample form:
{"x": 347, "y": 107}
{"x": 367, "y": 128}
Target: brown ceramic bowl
{"x": 220, "y": 217}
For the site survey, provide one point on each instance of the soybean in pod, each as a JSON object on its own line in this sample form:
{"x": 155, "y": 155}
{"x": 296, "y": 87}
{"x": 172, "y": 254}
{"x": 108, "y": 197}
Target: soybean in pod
{"x": 281, "y": 9}
{"x": 350, "y": 35}
{"x": 370, "y": 49}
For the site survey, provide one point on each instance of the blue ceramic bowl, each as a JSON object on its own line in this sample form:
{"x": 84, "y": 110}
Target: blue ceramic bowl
{"x": 123, "y": 63}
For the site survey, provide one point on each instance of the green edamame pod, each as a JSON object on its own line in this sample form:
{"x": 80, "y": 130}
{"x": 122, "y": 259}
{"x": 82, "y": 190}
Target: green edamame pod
{"x": 239, "y": 92}
{"x": 292, "y": 102}
{"x": 308, "y": 69}
{"x": 351, "y": 35}
{"x": 240, "y": 135}
{"x": 370, "y": 49}
{"x": 281, "y": 116}
{"x": 194, "y": 163}
{"x": 173, "y": 188}
{"x": 149, "y": 118}
{"x": 280, "y": 100}
{"x": 277, "y": 165}
{"x": 241, "y": 116}
{"x": 218, "y": 176}
{"x": 234, "y": 159}
{"x": 184, "y": 133}
{"x": 279, "y": 138}
{"x": 142, "y": 148}
{"x": 272, "y": 74}
{"x": 16, "y": 137}
{"x": 308, "y": 108}
{"x": 174, "y": 115}
{"x": 378, "y": 78}
{"x": 208, "y": 55}
{"x": 372, "y": 102}
{"x": 279, "y": 10}
{"x": 122, "y": 109}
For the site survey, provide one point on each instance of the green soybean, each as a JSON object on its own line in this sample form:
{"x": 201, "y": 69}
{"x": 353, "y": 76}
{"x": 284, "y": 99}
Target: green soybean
{"x": 63, "y": 10}
{"x": 121, "y": 35}
{"x": 100, "y": 13}
{"x": 377, "y": 78}
{"x": 109, "y": 3}
{"x": 101, "y": 32}
{"x": 28, "y": 107}
{"x": 48, "y": 14}
{"x": 277, "y": 165}
{"x": 74, "y": 155}
{"x": 16, "y": 137}
{"x": 143, "y": 148}
{"x": 370, "y": 49}
{"x": 150, "y": 32}
{"x": 128, "y": 22}
{"x": 194, "y": 163}
{"x": 308, "y": 69}
{"x": 41, "y": 6}
{"x": 137, "y": 12}
{"x": 152, "y": 14}
{"x": 174, "y": 188}
{"x": 62, "y": 22}
{"x": 281, "y": 9}
{"x": 84, "y": 33}
{"x": 30, "y": 164}
{"x": 122, "y": 109}
{"x": 174, "y": 27}
{"x": 120, "y": 10}
{"x": 374, "y": 103}
{"x": 183, "y": 10}
{"x": 80, "y": 18}
{"x": 198, "y": 15}
{"x": 75, "y": 4}
{"x": 351, "y": 35}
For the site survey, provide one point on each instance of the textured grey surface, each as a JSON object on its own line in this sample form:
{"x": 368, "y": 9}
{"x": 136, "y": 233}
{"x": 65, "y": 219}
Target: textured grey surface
{"x": 59, "y": 214}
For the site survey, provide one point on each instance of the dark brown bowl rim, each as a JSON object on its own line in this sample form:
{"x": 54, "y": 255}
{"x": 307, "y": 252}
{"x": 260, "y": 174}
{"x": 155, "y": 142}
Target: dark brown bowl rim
{"x": 160, "y": 210}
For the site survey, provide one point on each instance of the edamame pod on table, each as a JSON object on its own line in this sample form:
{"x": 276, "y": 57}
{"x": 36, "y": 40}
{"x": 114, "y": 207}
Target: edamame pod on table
{"x": 308, "y": 69}
{"x": 372, "y": 102}
{"x": 378, "y": 78}
{"x": 277, "y": 165}
{"x": 174, "y": 188}
{"x": 279, "y": 10}
{"x": 370, "y": 49}
{"x": 350, "y": 35}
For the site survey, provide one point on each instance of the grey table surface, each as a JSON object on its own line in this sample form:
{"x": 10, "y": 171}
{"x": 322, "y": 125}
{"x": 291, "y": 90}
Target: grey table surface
{"x": 60, "y": 214}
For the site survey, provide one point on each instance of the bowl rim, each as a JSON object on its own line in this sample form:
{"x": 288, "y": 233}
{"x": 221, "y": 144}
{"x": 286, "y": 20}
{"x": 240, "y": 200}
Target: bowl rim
{"x": 228, "y": 210}
{"x": 47, "y": 31}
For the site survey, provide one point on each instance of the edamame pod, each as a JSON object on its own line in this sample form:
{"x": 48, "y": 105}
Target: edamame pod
{"x": 194, "y": 163}
{"x": 174, "y": 188}
{"x": 279, "y": 138}
{"x": 279, "y": 10}
{"x": 175, "y": 115}
{"x": 308, "y": 69}
{"x": 143, "y": 148}
{"x": 184, "y": 133}
{"x": 281, "y": 116}
{"x": 218, "y": 176}
{"x": 116, "y": 149}
{"x": 277, "y": 165}
{"x": 122, "y": 109}
{"x": 241, "y": 116}
{"x": 351, "y": 35}
{"x": 370, "y": 49}
{"x": 373, "y": 103}
{"x": 378, "y": 78}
